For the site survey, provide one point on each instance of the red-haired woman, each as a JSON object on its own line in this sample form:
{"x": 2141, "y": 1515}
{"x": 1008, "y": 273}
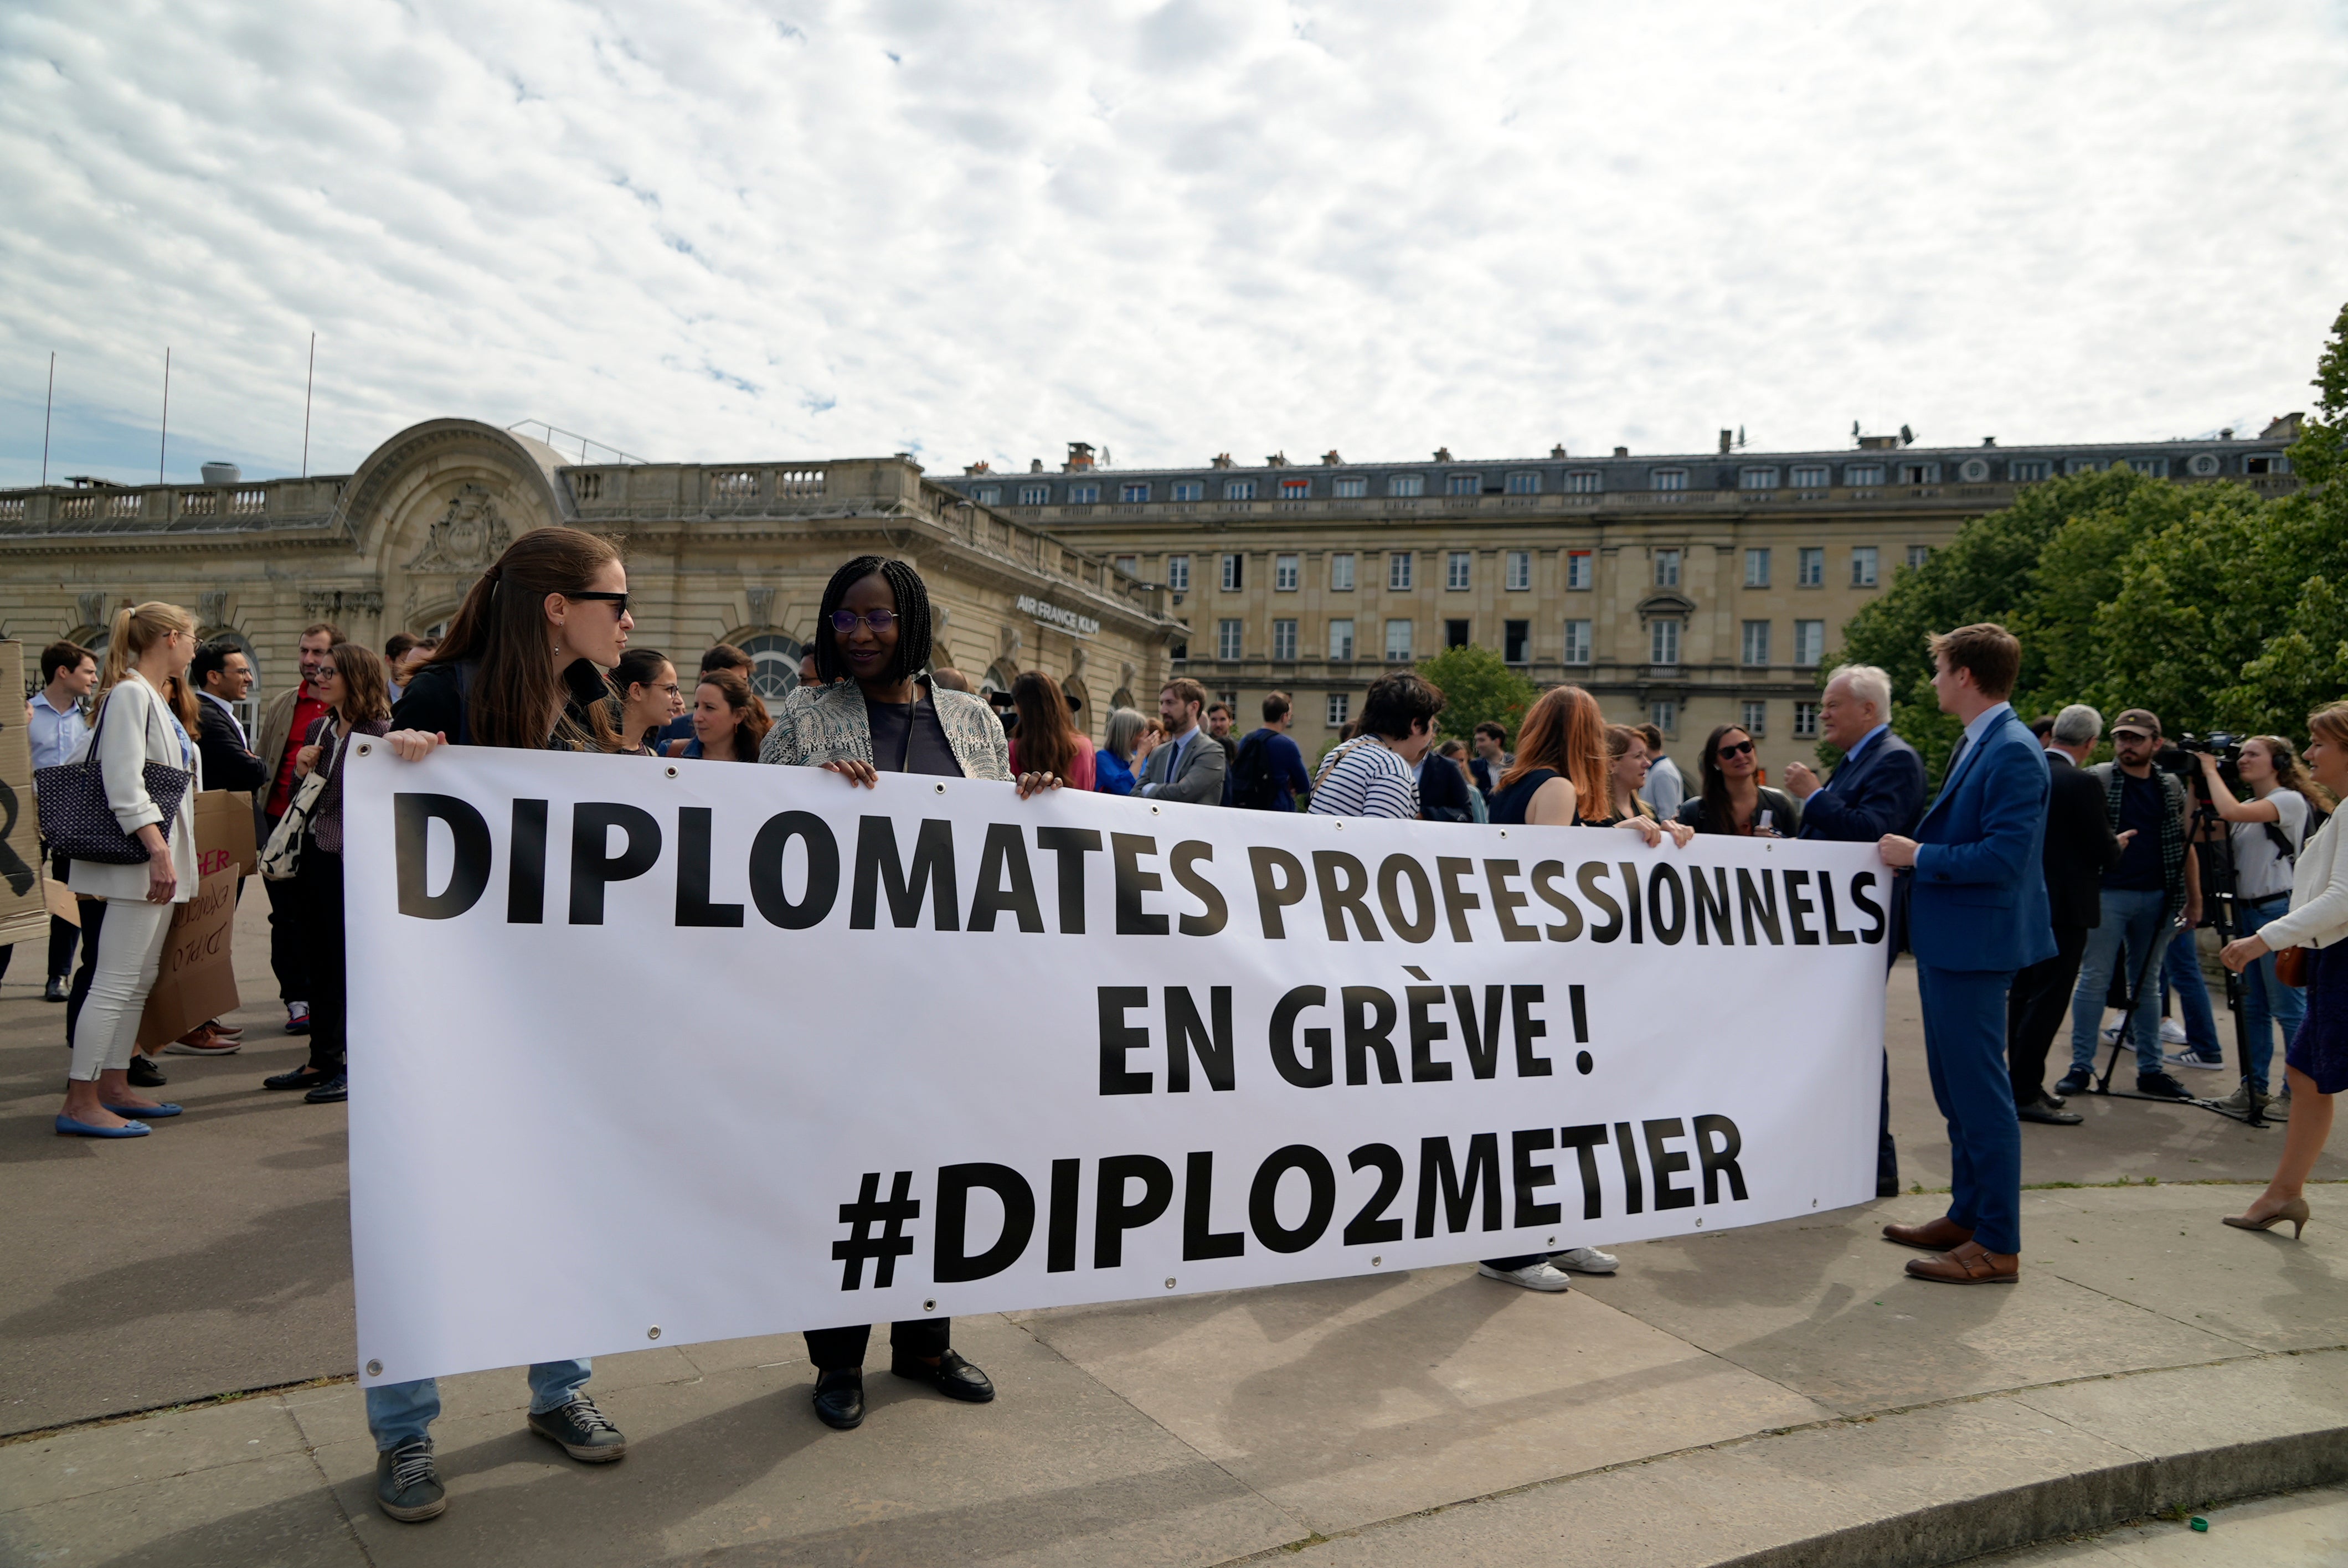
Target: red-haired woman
{"x": 1562, "y": 776}
{"x": 1048, "y": 741}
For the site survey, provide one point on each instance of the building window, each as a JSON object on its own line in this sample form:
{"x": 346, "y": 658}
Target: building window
{"x": 1667, "y": 569}
{"x": 1455, "y": 634}
{"x": 1283, "y": 574}
{"x": 1178, "y": 573}
{"x": 1407, "y": 485}
{"x": 1455, "y": 569}
{"x": 1577, "y": 569}
{"x": 773, "y": 665}
{"x": 1524, "y": 484}
{"x": 1341, "y": 641}
{"x": 2027, "y": 470}
{"x": 1577, "y": 642}
{"x": 1584, "y": 482}
{"x": 1920, "y": 472}
{"x": 1919, "y": 556}
{"x": 1756, "y": 568}
{"x": 1234, "y": 572}
{"x": 1284, "y": 640}
{"x": 1806, "y": 721}
{"x": 1667, "y": 479}
{"x": 1238, "y": 490}
{"x": 1755, "y": 650}
{"x": 1662, "y": 642}
{"x": 1350, "y": 488}
{"x": 1757, "y": 479}
{"x": 1295, "y": 490}
{"x": 1813, "y": 573}
{"x": 1663, "y": 712}
{"x": 2150, "y": 467}
{"x": 1398, "y": 642}
{"x": 1810, "y": 642}
{"x": 1862, "y": 566}
{"x": 2264, "y": 462}
{"x": 1341, "y": 709}
{"x": 1398, "y": 569}
{"x": 2083, "y": 465}
{"x": 1083, "y": 495}
{"x": 1756, "y": 719}
{"x": 1862, "y": 474}
{"x": 1188, "y": 490}
{"x": 1129, "y": 565}
{"x": 1341, "y": 572}
{"x": 1517, "y": 641}
{"x": 1035, "y": 495}
{"x": 1520, "y": 570}
{"x": 1132, "y": 494}
{"x": 1810, "y": 477}
{"x": 1463, "y": 484}
{"x": 988, "y": 495}
{"x": 1227, "y": 638}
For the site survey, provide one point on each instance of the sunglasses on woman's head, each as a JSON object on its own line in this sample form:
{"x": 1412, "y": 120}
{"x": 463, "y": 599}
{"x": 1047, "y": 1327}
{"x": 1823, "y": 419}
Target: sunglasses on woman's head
{"x": 844, "y": 621}
{"x": 1731, "y": 751}
{"x": 619, "y": 601}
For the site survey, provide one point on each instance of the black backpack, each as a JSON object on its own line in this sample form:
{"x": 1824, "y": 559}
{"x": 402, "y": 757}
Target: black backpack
{"x": 1253, "y": 786}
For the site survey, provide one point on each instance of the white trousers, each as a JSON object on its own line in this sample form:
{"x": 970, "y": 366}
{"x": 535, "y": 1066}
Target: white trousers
{"x": 129, "y": 956}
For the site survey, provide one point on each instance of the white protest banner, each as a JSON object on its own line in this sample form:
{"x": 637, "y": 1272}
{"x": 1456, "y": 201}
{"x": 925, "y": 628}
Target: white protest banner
{"x": 687, "y": 1051}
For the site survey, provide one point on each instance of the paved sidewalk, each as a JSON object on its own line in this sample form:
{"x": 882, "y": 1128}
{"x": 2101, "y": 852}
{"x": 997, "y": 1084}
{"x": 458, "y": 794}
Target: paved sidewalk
{"x": 2304, "y": 1529}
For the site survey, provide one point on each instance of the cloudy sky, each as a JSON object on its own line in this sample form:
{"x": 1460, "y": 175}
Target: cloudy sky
{"x": 710, "y": 230}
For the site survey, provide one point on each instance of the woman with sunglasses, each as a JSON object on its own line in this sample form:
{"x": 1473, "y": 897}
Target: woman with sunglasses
{"x": 1735, "y": 800}
{"x": 522, "y": 666}
{"x": 876, "y": 714}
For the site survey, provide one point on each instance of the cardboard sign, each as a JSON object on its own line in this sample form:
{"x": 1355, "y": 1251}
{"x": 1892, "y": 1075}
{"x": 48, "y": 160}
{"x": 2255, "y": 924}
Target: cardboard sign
{"x": 225, "y": 836}
{"x": 198, "y": 981}
{"x": 23, "y": 910}
{"x": 61, "y": 899}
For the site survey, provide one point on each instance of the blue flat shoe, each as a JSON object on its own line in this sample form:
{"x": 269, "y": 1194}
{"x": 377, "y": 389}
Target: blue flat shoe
{"x": 69, "y": 1127}
{"x": 151, "y": 1113}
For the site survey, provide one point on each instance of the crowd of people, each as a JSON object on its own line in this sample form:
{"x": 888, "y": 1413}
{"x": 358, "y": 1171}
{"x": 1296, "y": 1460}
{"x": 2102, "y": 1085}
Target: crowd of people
{"x": 2034, "y": 886}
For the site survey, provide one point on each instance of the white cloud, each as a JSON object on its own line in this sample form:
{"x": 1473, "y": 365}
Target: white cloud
{"x": 708, "y": 230}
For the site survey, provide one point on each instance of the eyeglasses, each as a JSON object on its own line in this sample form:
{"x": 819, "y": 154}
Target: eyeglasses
{"x": 845, "y": 622}
{"x": 1731, "y": 751}
{"x": 619, "y": 601}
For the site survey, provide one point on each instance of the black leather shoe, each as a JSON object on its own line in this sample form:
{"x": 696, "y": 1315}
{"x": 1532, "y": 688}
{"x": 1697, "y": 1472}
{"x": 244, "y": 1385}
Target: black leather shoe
{"x": 144, "y": 1073}
{"x": 2074, "y": 1081}
{"x": 2160, "y": 1086}
{"x": 302, "y": 1077}
{"x": 2040, "y": 1110}
{"x": 839, "y": 1398}
{"x": 953, "y": 1377}
{"x": 56, "y": 991}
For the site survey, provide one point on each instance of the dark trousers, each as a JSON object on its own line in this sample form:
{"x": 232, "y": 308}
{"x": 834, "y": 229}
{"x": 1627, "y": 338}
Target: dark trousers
{"x": 319, "y": 885}
{"x": 288, "y": 953}
{"x": 835, "y": 1350}
{"x": 2038, "y": 1005}
{"x": 93, "y": 920}
{"x": 1965, "y": 1045}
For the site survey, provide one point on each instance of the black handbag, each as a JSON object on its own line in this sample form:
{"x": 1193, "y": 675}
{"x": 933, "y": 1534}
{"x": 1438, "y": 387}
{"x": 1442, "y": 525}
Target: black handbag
{"x": 76, "y": 822}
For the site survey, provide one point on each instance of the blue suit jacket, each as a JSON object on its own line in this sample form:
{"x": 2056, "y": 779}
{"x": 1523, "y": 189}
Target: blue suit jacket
{"x": 1882, "y": 791}
{"x": 1978, "y": 897}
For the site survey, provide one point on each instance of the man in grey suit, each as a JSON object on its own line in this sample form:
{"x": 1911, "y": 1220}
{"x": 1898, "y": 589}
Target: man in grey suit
{"x": 1190, "y": 766}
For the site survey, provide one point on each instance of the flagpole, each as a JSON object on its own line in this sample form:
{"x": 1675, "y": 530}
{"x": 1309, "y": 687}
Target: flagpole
{"x": 164, "y": 444}
{"x": 306, "y": 388}
{"x": 48, "y": 409}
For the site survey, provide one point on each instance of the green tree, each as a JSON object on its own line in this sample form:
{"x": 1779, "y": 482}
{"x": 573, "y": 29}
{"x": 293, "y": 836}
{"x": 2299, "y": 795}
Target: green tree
{"x": 1478, "y": 685}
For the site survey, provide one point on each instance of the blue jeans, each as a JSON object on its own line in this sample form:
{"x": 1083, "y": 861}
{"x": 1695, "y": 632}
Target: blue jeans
{"x": 2136, "y": 930}
{"x": 2180, "y": 971}
{"x": 400, "y": 1413}
{"x": 2264, "y": 996}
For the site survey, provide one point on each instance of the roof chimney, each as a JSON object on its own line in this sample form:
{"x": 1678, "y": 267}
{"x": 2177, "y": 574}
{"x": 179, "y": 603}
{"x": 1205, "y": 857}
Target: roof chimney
{"x": 981, "y": 466}
{"x": 1277, "y": 460}
{"x": 1034, "y": 464}
{"x": 1622, "y": 451}
{"x": 1329, "y": 459}
{"x": 2283, "y": 427}
{"x": 1558, "y": 450}
{"x": 1443, "y": 454}
{"x": 1222, "y": 460}
{"x": 1081, "y": 458}
{"x": 1727, "y": 439}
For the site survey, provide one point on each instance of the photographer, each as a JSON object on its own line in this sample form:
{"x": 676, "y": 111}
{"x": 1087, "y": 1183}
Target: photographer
{"x": 2268, "y": 831}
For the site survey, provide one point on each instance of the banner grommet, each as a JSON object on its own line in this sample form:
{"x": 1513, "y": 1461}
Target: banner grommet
{"x": 375, "y": 1368}
{"x": 653, "y": 1332}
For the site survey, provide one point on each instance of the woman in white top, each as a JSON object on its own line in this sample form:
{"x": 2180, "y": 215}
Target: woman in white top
{"x": 2316, "y": 1065}
{"x": 145, "y": 710}
{"x": 2283, "y": 801}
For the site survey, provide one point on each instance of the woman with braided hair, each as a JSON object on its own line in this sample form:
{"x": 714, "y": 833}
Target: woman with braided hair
{"x": 875, "y": 713}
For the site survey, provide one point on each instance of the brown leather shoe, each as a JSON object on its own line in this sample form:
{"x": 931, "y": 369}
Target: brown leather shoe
{"x": 1933, "y": 1236}
{"x": 1971, "y": 1263}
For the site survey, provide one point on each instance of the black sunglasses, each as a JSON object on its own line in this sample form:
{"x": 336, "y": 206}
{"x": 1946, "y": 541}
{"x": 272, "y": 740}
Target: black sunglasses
{"x": 1731, "y": 751}
{"x": 619, "y": 601}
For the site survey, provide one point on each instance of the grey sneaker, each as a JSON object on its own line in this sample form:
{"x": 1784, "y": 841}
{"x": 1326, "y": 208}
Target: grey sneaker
{"x": 1585, "y": 1260}
{"x": 1537, "y": 1276}
{"x": 407, "y": 1484}
{"x": 585, "y": 1432}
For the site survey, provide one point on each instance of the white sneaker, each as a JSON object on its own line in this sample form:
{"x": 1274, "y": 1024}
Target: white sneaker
{"x": 2194, "y": 1058}
{"x": 2172, "y": 1033}
{"x": 1533, "y": 1277}
{"x": 2112, "y": 1035}
{"x": 1585, "y": 1260}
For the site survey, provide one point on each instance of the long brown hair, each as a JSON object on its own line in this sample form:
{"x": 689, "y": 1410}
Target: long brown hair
{"x": 1566, "y": 731}
{"x": 1717, "y": 808}
{"x": 137, "y": 628}
{"x": 755, "y": 722}
{"x": 1047, "y": 736}
{"x": 2330, "y": 725}
{"x": 366, "y": 690}
{"x": 516, "y": 695}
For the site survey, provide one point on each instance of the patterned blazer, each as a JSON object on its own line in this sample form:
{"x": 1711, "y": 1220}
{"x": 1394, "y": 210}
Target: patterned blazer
{"x": 828, "y": 723}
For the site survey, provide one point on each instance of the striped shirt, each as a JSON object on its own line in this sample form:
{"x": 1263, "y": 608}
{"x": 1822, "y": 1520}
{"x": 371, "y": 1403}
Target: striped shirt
{"x": 1367, "y": 781}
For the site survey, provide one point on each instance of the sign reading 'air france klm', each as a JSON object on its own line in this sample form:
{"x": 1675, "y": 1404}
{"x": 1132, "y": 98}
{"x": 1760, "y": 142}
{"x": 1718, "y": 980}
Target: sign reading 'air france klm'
{"x": 1053, "y": 615}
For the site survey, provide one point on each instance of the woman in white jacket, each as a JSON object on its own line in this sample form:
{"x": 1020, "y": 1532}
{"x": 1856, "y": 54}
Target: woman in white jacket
{"x": 2316, "y": 1063}
{"x": 146, "y": 711}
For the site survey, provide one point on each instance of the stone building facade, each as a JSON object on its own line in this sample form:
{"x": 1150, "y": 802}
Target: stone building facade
{"x": 716, "y": 553}
{"x": 1688, "y": 589}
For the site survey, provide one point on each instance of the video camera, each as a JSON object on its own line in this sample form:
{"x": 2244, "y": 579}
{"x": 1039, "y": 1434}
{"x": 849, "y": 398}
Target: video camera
{"x": 2226, "y": 747}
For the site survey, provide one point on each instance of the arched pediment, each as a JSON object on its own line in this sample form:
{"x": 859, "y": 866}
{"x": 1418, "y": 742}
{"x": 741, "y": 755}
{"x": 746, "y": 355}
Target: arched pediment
{"x": 1666, "y": 605}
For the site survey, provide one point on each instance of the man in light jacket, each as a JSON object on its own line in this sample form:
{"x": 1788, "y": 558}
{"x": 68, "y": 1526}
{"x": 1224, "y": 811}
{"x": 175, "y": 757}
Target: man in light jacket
{"x": 1190, "y": 766}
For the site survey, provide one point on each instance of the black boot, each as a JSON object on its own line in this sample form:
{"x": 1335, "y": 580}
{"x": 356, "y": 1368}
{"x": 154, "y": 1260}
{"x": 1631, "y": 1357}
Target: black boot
{"x": 840, "y": 1398}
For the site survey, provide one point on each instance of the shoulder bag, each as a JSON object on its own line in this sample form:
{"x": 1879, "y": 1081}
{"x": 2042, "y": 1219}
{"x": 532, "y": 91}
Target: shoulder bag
{"x": 78, "y": 823}
{"x": 280, "y": 857}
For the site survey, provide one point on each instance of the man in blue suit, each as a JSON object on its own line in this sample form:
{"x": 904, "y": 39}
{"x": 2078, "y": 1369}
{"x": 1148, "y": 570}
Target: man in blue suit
{"x": 1878, "y": 789}
{"x": 1976, "y": 913}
